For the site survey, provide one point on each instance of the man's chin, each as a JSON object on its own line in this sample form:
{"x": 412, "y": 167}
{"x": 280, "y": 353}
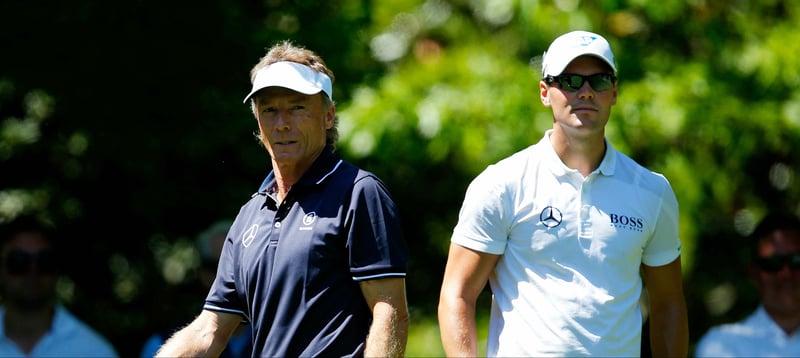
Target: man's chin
{"x": 35, "y": 303}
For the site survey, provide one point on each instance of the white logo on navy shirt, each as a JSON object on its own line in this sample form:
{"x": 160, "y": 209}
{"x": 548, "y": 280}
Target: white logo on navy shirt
{"x": 308, "y": 219}
{"x": 249, "y": 235}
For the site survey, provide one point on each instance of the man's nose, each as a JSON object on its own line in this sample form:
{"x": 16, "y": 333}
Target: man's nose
{"x": 282, "y": 119}
{"x": 586, "y": 90}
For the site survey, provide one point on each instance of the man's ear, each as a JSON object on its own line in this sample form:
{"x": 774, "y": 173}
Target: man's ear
{"x": 330, "y": 116}
{"x": 543, "y": 94}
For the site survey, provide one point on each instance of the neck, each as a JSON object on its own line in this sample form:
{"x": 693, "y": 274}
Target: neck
{"x": 583, "y": 154}
{"x": 288, "y": 174}
{"x": 27, "y": 327}
{"x": 788, "y": 323}
{"x": 283, "y": 185}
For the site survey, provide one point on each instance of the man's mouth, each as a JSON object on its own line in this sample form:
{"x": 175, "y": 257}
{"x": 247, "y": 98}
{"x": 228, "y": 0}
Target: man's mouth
{"x": 584, "y": 109}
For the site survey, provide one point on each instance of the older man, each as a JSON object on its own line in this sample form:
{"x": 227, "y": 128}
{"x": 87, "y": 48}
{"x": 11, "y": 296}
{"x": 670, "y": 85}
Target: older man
{"x": 315, "y": 260}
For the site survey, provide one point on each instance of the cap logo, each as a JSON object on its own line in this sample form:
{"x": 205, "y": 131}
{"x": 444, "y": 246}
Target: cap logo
{"x": 586, "y": 40}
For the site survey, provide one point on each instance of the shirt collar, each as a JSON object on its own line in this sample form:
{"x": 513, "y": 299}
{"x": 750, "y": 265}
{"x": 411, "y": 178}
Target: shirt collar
{"x": 325, "y": 165}
{"x": 761, "y": 318}
{"x": 607, "y": 165}
{"x": 609, "y": 162}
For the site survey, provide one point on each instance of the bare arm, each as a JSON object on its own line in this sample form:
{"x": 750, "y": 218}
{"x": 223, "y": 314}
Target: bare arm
{"x": 206, "y": 336}
{"x": 388, "y": 333}
{"x": 669, "y": 323}
{"x": 465, "y": 276}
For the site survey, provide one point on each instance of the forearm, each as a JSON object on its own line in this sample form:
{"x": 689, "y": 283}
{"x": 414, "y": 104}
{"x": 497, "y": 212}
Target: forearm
{"x": 669, "y": 322}
{"x": 388, "y": 333}
{"x": 669, "y": 335}
{"x": 203, "y": 337}
{"x": 458, "y": 329}
{"x": 187, "y": 343}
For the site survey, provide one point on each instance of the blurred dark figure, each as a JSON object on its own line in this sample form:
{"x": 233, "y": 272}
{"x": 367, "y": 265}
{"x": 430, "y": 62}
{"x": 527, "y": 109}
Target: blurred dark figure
{"x": 772, "y": 329}
{"x": 209, "y": 243}
{"x": 34, "y": 323}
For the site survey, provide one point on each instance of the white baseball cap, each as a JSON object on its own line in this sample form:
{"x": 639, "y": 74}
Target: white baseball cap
{"x": 294, "y": 76}
{"x": 570, "y": 46}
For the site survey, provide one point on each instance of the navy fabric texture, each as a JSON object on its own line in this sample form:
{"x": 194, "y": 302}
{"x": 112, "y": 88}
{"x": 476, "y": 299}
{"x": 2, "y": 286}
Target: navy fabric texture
{"x": 292, "y": 268}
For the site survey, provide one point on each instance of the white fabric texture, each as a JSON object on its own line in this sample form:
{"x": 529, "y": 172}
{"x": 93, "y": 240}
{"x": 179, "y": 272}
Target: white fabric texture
{"x": 68, "y": 337}
{"x": 755, "y": 336}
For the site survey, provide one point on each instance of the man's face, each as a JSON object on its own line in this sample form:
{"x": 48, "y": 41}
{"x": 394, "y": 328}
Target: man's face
{"x": 28, "y": 271}
{"x": 293, "y": 126}
{"x": 779, "y": 289}
{"x": 585, "y": 110}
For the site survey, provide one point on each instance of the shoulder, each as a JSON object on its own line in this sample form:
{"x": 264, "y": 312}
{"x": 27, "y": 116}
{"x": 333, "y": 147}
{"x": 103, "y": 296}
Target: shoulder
{"x": 721, "y": 340}
{"x": 358, "y": 178}
{"x": 630, "y": 170}
{"x": 521, "y": 158}
{"x": 741, "y": 338}
{"x": 79, "y": 334}
{"x": 509, "y": 169}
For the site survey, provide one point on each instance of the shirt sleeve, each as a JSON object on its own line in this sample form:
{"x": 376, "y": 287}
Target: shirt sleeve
{"x": 665, "y": 245}
{"x": 223, "y": 296}
{"x": 483, "y": 221}
{"x": 376, "y": 243}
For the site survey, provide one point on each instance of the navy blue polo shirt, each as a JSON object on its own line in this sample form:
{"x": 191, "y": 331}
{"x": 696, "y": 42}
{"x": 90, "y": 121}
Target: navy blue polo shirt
{"x": 293, "y": 269}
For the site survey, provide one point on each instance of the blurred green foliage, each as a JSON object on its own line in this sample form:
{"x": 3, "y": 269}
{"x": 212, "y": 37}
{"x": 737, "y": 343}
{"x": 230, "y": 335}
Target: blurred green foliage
{"x": 124, "y": 125}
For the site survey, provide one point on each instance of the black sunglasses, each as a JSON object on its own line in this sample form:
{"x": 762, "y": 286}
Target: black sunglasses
{"x": 19, "y": 262}
{"x": 571, "y": 82}
{"x": 776, "y": 263}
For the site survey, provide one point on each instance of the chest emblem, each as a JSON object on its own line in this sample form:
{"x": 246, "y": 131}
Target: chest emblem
{"x": 550, "y": 217}
{"x": 249, "y": 235}
{"x": 309, "y": 218}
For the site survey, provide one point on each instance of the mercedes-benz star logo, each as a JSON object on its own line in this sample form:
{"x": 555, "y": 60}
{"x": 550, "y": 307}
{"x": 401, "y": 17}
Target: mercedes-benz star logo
{"x": 249, "y": 235}
{"x": 550, "y": 217}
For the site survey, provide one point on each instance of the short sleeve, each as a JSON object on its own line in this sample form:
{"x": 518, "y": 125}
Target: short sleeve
{"x": 223, "y": 295}
{"x": 483, "y": 221}
{"x": 665, "y": 244}
{"x": 376, "y": 243}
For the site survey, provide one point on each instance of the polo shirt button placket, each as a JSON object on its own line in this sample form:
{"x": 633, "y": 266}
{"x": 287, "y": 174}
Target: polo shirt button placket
{"x": 283, "y": 209}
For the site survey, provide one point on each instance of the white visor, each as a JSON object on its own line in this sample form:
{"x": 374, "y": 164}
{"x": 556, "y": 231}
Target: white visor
{"x": 294, "y": 76}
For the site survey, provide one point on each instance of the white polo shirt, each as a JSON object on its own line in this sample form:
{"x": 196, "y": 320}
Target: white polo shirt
{"x": 755, "y": 336}
{"x": 68, "y": 336}
{"x": 568, "y": 281}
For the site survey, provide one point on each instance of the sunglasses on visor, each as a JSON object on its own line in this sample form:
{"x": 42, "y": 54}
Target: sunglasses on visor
{"x": 18, "y": 262}
{"x": 776, "y": 263}
{"x": 571, "y": 82}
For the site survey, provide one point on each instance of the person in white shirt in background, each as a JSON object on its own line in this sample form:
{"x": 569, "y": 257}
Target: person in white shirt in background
{"x": 773, "y": 328}
{"x": 32, "y": 321}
